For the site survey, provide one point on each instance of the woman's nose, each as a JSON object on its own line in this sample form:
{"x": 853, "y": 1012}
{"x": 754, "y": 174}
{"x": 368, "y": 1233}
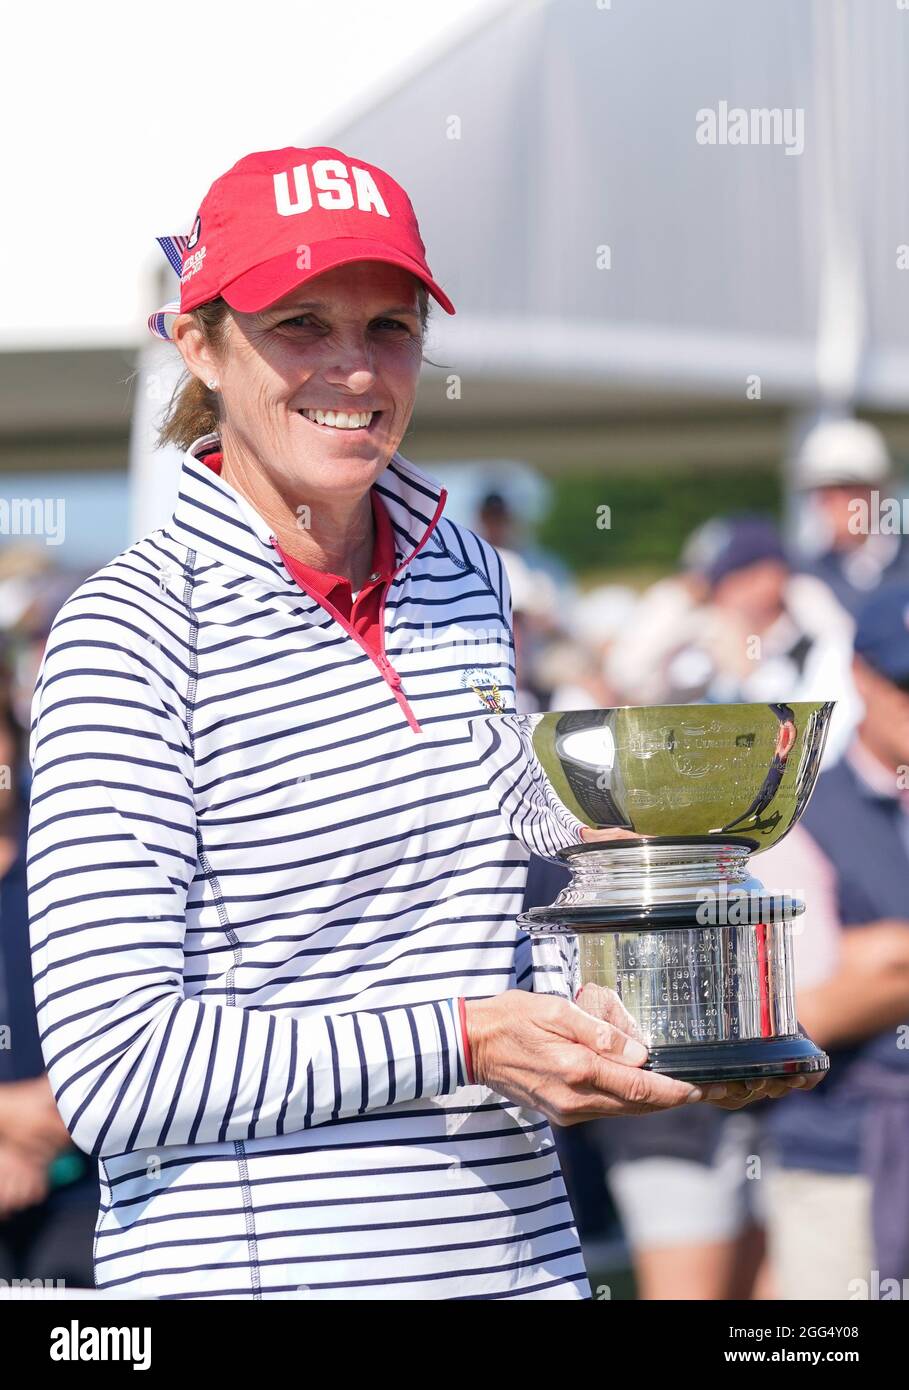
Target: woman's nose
{"x": 350, "y": 360}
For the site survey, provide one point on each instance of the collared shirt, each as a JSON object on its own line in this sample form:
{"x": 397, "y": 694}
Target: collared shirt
{"x": 362, "y": 611}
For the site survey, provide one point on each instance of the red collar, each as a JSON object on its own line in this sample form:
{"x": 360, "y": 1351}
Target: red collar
{"x": 322, "y": 581}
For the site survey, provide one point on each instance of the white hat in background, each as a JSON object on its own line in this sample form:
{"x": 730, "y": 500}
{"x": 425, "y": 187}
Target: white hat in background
{"x": 840, "y": 452}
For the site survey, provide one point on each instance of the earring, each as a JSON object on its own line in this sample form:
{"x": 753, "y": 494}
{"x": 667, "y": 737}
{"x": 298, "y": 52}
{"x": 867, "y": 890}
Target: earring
{"x": 212, "y": 385}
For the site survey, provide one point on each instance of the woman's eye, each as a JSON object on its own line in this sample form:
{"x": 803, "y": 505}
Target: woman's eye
{"x": 306, "y": 320}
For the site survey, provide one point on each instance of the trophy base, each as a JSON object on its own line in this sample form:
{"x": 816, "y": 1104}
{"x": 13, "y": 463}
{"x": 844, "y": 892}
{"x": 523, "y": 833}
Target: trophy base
{"x": 754, "y": 1060}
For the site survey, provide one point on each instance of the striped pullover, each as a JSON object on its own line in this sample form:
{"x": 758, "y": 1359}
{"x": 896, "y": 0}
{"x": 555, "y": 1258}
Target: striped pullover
{"x": 264, "y": 865}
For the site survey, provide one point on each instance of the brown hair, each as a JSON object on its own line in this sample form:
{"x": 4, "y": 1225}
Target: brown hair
{"x": 193, "y": 410}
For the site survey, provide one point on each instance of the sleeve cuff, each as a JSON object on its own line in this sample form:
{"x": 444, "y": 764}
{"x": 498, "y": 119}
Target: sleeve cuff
{"x": 464, "y": 1055}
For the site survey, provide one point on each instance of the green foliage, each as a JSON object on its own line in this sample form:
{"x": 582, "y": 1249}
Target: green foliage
{"x": 650, "y": 514}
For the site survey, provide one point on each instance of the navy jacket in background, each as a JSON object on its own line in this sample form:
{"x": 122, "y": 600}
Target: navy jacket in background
{"x": 858, "y": 830}
{"x": 22, "y": 1059}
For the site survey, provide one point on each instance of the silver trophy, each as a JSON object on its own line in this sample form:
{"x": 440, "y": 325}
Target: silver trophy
{"x": 656, "y": 812}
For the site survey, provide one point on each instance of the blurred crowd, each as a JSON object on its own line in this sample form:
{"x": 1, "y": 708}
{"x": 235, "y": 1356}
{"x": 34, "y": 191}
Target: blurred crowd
{"x": 798, "y": 1198}
{"x": 745, "y": 617}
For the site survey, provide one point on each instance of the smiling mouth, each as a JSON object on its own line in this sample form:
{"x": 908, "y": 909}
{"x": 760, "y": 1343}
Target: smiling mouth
{"x": 342, "y": 421}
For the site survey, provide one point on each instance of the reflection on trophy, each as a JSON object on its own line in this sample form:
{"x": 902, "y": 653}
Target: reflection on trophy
{"x": 656, "y": 813}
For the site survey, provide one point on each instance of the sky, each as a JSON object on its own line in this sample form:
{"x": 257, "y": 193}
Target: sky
{"x": 116, "y": 117}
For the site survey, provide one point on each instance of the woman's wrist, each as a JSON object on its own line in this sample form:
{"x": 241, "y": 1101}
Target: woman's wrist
{"x": 474, "y": 1015}
{"x": 465, "y": 1042}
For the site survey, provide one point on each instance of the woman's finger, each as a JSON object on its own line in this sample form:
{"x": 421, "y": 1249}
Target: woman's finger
{"x": 732, "y": 1095}
{"x": 599, "y": 1035}
{"x": 634, "y": 1090}
{"x": 605, "y": 1003}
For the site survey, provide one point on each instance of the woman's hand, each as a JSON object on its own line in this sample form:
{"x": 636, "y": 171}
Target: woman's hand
{"x": 544, "y": 1052}
{"x": 29, "y": 1118}
{"x": 732, "y": 1095}
{"x": 23, "y": 1180}
{"x": 727, "y": 1095}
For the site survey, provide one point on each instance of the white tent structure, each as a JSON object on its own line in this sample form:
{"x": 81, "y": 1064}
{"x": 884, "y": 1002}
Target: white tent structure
{"x": 589, "y": 232}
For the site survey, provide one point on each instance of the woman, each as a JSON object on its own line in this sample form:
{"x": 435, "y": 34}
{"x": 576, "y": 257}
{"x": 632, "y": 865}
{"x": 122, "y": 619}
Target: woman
{"x": 266, "y": 871}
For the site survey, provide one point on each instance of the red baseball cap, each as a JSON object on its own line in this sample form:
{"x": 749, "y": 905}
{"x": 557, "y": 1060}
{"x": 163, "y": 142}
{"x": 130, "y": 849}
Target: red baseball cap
{"x": 280, "y": 217}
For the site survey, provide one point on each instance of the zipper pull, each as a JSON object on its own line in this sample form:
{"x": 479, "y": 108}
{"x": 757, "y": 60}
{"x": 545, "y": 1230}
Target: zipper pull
{"x": 390, "y": 673}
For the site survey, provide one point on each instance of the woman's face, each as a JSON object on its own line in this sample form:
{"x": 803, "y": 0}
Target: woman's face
{"x": 756, "y": 591}
{"x": 348, "y": 340}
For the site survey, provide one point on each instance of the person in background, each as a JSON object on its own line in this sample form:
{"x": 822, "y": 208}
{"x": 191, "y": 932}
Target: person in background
{"x": 838, "y": 1190}
{"x": 48, "y": 1189}
{"x": 763, "y": 629}
{"x": 736, "y": 624}
{"x": 536, "y": 625}
{"x": 839, "y": 467}
{"x": 576, "y": 668}
{"x": 499, "y": 521}
{"x": 495, "y": 521}
{"x": 692, "y": 1213}
{"x": 668, "y": 615}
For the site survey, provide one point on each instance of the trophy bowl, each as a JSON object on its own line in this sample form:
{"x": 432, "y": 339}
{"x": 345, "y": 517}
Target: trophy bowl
{"x": 655, "y": 812}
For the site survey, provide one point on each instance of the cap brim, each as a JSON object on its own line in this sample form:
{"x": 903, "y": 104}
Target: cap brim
{"x": 265, "y": 284}
{"x": 837, "y": 480}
